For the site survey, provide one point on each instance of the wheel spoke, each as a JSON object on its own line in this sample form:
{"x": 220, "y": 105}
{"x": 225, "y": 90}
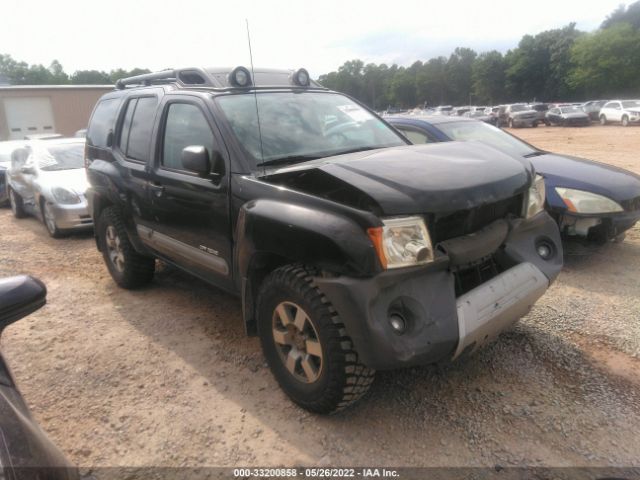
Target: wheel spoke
{"x": 284, "y": 315}
{"x": 300, "y": 320}
{"x": 314, "y": 348}
{"x": 280, "y": 337}
{"x": 309, "y": 368}
{"x": 292, "y": 360}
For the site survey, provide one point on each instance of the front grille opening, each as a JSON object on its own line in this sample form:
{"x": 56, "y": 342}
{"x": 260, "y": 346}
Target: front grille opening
{"x": 464, "y": 222}
{"x": 467, "y": 277}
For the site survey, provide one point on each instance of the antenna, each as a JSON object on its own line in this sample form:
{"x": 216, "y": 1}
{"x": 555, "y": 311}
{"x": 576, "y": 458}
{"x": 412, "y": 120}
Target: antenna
{"x": 255, "y": 93}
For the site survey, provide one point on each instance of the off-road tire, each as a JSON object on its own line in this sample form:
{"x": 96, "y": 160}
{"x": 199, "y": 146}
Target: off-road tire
{"x": 625, "y": 121}
{"x": 17, "y": 205}
{"x": 603, "y": 120}
{"x": 137, "y": 270}
{"x": 343, "y": 379}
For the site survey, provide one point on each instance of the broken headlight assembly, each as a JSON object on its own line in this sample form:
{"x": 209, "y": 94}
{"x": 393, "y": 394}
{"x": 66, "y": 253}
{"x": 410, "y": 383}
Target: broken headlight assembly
{"x": 579, "y": 201}
{"x": 535, "y": 198}
{"x": 402, "y": 242}
{"x": 64, "y": 196}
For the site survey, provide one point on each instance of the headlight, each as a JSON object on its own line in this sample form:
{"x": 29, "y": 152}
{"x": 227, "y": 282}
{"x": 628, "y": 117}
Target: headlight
{"x": 402, "y": 242}
{"x": 64, "y": 196}
{"x": 535, "y": 198}
{"x": 579, "y": 201}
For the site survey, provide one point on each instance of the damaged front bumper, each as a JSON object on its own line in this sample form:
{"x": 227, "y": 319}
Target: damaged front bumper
{"x": 598, "y": 227}
{"x": 440, "y": 325}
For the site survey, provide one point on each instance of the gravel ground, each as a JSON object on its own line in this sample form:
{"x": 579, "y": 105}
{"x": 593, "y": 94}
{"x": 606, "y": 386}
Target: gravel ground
{"x": 165, "y": 376}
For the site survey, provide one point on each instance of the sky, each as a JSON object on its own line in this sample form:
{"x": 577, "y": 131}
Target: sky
{"x": 320, "y": 36}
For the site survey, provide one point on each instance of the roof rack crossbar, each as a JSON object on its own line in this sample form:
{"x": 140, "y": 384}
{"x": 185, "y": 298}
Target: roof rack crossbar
{"x": 147, "y": 78}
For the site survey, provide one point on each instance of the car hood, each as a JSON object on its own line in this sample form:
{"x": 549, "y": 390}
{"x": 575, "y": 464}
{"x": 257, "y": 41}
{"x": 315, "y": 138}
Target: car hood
{"x": 75, "y": 179}
{"x": 441, "y": 177}
{"x": 574, "y": 172}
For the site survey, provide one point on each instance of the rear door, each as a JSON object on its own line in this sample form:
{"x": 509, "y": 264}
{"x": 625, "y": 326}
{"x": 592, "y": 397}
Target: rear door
{"x": 190, "y": 214}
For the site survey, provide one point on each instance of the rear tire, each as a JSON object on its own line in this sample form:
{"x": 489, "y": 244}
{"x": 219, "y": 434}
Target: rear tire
{"x": 306, "y": 344}
{"x": 127, "y": 267}
{"x": 17, "y": 205}
{"x": 603, "y": 120}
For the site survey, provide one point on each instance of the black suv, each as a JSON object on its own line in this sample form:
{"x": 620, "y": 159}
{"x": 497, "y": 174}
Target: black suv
{"x": 350, "y": 250}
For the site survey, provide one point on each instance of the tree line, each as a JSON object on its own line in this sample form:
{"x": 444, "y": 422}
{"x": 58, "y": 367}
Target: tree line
{"x": 562, "y": 64}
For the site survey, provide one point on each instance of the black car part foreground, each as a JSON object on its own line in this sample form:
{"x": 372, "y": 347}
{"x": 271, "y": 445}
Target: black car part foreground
{"x": 25, "y": 451}
{"x": 350, "y": 249}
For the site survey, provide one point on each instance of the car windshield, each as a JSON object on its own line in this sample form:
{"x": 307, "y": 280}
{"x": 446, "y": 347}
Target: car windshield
{"x": 488, "y": 134}
{"x": 631, "y": 104}
{"x": 302, "y": 126}
{"x": 571, "y": 110}
{"x": 518, "y": 108}
{"x": 66, "y": 156}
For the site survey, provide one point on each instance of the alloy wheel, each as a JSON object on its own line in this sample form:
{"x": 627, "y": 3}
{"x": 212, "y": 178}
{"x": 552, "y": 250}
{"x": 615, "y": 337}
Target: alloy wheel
{"x": 297, "y": 342}
{"x": 12, "y": 201}
{"x": 114, "y": 248}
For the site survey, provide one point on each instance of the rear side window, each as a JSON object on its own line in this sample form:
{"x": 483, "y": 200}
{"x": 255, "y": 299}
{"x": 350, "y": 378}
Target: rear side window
{"x": 102, "y": 122}
{"x": 414, "y": 136}
{"x": 135, "y": 139}
{"x": 186, "y": 126}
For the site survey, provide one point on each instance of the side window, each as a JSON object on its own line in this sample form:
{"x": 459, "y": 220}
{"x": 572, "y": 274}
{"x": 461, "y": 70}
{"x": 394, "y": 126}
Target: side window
{"x": 185, "y": 126}
{"x": 135, "y": 138}
{"x": 414, "y": 136}
{"x": 617, "y": 106}
{"x": 102, "y": 122}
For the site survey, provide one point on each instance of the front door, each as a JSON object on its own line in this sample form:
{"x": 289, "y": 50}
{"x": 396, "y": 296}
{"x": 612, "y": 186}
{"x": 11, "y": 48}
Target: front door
{"x": 190, "y": 214}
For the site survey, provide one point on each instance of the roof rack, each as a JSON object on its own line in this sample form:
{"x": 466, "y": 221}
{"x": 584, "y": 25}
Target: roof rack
{"x": 184, "y": 76}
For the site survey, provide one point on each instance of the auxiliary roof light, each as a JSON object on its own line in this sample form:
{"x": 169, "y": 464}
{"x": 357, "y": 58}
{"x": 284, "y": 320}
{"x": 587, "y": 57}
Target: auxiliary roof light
{"x": 240, "y": 77}
{"x": 301, "y": 77}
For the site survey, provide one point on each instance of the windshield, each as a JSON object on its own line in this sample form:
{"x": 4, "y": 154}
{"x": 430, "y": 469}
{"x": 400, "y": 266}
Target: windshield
{"x": 303, "y": 126}
{"x": 631, "y": 104}
{"x": 60, "y": 157}
{"x": 571, "y": 110}
{"x": 487, "y": 134}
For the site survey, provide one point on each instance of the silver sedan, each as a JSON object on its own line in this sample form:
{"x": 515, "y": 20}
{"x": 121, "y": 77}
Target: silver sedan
{"x": 47, "y": 179}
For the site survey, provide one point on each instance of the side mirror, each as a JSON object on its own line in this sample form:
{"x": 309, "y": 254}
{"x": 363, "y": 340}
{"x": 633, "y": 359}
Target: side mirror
{"x": 19, "y": 297}
{"x": 195, "y": 158}
{"x": 28, "y": 169}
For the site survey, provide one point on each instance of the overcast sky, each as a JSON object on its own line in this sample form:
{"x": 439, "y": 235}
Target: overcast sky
{"x": 320, "y": 35}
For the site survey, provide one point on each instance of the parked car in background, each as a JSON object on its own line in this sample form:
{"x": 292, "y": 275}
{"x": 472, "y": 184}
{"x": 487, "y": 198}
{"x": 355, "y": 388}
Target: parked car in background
{"x": 592, "y": 108}
{"x": 48, "y": 180}
{"x": 541, "y": 109}
{"x": 82, "y": 133}
{"x": 587, "y": 199}
{"x": 624, "y": 111}
{"x": 44, "y": 136}
{"x": 26, "y": 453}
{"x": 519, "y": 115}
{"x": 571, "y": 116}
{"x": 443, "y": 110}
{"x": 6, "y": 149}
{"x": 480, "y": 115}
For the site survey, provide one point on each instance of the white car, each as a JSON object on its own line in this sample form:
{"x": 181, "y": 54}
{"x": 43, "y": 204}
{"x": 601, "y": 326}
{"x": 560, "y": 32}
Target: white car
{"x": 623, "y": 111}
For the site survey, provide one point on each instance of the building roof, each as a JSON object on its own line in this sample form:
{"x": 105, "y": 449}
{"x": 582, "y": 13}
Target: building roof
{"x": 56, "y": 87}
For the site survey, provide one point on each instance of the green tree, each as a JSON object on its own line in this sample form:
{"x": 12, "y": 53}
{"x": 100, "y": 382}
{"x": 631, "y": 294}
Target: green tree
{"x": 90, "y": 77}
{"x": 630, "y": 15}
{"x": 607, "y": 62}
{"x": 459, "y": 68}
{"x": 488, "y": 76}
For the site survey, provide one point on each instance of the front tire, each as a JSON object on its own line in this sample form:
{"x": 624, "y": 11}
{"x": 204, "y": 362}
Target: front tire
{"x": 127, "y": 267}
{"x": 17, "y": 205}
{"x": 603, "y": 120}
{"x": 306, "y": 344}
{"x": 625, "y": 121}
{"x": 49, "y": 219}
{"x": 510, "y": 123}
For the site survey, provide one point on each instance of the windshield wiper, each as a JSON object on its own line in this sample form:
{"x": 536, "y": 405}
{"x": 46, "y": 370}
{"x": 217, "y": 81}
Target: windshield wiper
{"x": 288, "y": 160}
{"x": 355, "y": 150}
{"x": 534, "y": 154}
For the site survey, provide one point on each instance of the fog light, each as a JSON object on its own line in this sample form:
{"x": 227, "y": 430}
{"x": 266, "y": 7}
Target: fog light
{"x": 544, "y": 251}
{"x": 397, "y": 323}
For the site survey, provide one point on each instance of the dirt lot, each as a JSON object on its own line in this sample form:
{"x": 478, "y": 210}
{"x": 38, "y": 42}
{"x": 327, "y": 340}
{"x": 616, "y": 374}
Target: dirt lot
{"x": 165, "y": 376}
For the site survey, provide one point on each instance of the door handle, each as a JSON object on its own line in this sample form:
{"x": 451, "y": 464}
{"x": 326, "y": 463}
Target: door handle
{"x": 157, "y": 189}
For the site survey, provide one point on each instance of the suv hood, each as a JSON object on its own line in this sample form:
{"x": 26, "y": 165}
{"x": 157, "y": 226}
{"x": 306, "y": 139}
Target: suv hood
{"x": 416, "y": 179}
